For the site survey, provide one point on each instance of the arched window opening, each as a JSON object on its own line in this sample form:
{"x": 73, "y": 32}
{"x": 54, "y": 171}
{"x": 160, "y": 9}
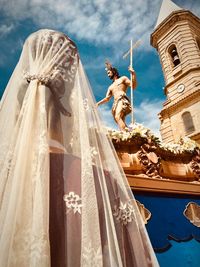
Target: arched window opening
{"x": 174, "y": 55}
{"x": 198, "y": 42}
{"x": 188, "y": 122}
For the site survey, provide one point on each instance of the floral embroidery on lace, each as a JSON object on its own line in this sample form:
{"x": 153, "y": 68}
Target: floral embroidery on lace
{"x": 47, "y": 38}
{"x": 65, "y": 63}
{"x": 27, "y": 243}
{"x": 92, "y": 257}
{"x": 73, "y": 202}
{"x": 67, "y": 66}
{"x": 58, "y": 45}
{"x": 85, "y": 104}
{"x": 124, "y": 213}
{"x": 93, "y": 152}
{"x": 43, "y": 148}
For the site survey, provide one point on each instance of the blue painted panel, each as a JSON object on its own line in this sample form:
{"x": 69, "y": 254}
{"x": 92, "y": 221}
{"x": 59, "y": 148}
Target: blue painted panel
{"x": 167, "y": 221}
{"x": 184, "y": 254}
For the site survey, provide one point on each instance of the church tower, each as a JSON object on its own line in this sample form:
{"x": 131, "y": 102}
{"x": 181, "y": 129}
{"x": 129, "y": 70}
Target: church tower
{"x": 177, "y": 40}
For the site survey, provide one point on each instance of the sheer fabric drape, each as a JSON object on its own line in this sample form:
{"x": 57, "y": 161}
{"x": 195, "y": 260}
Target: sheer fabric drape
{"x": 64, "y": 199}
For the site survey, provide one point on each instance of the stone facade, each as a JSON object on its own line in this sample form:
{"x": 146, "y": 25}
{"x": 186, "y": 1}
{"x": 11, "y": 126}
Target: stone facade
{"x": 177, "y": 40}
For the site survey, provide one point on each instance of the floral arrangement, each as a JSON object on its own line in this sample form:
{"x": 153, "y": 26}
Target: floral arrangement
{"x": 185, "y": 144}
{"x": 134, "y": 130}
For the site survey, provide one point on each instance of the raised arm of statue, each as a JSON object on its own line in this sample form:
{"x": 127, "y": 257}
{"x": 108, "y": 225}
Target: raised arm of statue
{"x": 134, "y": 80}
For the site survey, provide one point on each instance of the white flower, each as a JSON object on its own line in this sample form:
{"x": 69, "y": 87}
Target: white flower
{"x": 140, "y": 129}
{"x": 124, "y": 213}
{"x": 93, "y": 152}
{"x": 184, "y": 145}
{"x": 73, "y": 202}
{"x": 134, "y": 129}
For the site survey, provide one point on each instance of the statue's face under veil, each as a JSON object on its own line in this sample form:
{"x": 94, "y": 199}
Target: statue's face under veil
{"x": 51, "y": 58}
{"x": 53, "y": 55}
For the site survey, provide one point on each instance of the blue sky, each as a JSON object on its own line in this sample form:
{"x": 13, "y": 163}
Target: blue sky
{"x": 102, "y": 30}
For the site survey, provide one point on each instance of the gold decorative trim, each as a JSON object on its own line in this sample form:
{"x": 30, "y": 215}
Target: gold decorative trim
{"x": 145, "y": 213}
{"x": 144, "y": 184}
{"x": 150, "y": 163}
{"x": 192, "y": 213}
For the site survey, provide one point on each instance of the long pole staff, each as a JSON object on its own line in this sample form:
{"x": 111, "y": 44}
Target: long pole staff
{"x": 131, "y": 76}
{"x": 130, "y": 51}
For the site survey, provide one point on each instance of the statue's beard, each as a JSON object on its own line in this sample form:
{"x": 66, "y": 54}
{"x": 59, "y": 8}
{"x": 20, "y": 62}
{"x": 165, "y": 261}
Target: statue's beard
{"x": 111, "y": 77}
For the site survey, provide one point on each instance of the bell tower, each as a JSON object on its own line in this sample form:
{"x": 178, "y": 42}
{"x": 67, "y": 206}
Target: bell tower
{"x": 177, "y": 39}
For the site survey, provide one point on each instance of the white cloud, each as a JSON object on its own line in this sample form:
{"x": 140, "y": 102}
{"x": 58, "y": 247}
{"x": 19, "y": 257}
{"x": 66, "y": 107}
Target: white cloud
{"x": 99, "y": 21}
{"x": 107, "y": 22}
{"x": 6, "y": 29}
{"x": 106, "y": 116}
{"x": 147, "y": 114}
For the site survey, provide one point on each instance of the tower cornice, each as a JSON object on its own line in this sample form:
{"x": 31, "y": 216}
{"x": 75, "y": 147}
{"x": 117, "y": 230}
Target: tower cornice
{"x": 176, "y": 104}
{"x": 197, "y": 68}
{"x": 167, "y": 23}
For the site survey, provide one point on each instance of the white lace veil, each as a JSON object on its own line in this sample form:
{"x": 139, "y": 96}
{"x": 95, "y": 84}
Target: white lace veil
{"x": 64, "y": 199}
